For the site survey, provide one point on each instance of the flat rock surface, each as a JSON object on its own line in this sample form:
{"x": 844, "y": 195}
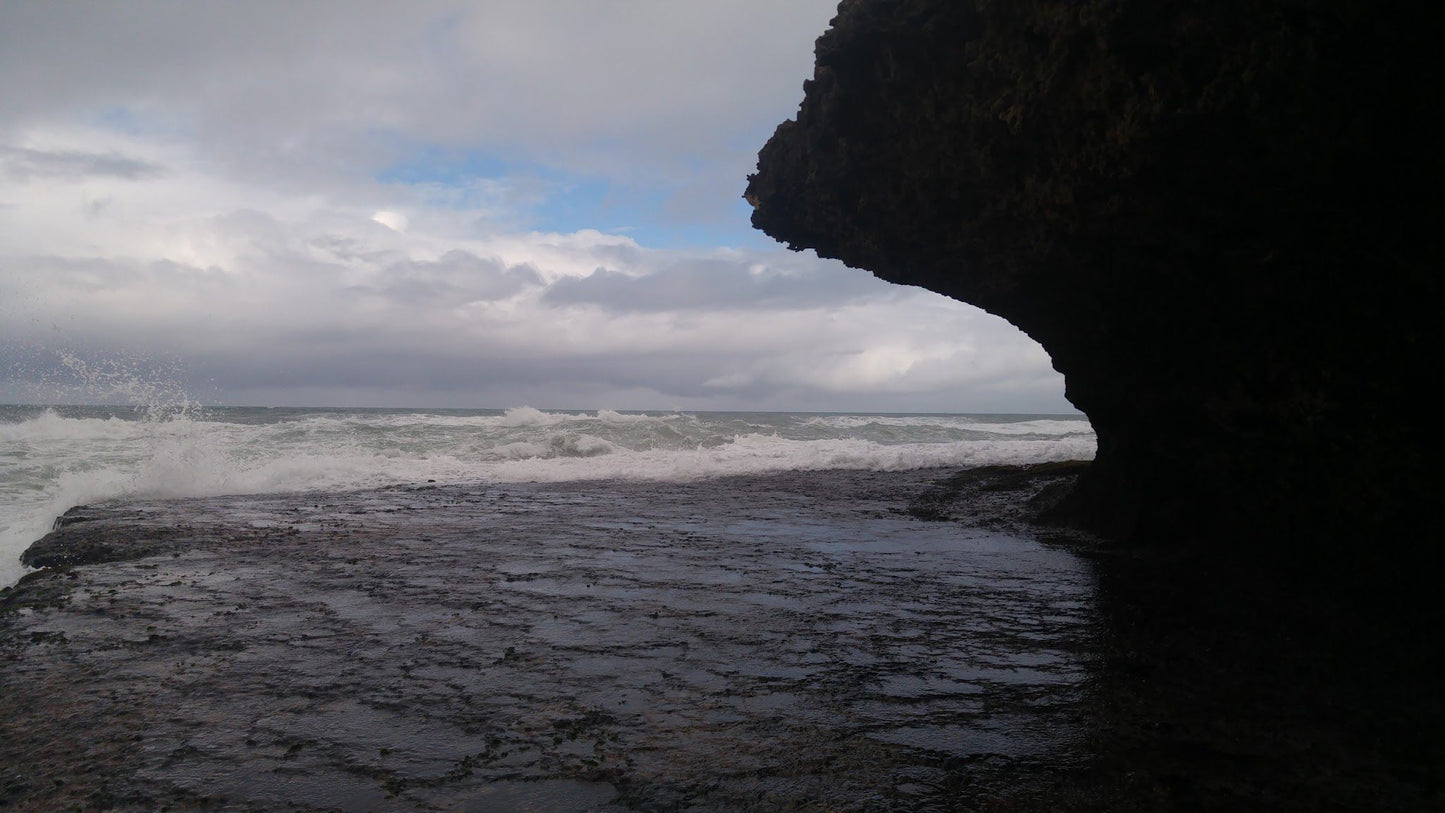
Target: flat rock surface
{"x": 767, "y": 642}
{"x": 798, "y": 641}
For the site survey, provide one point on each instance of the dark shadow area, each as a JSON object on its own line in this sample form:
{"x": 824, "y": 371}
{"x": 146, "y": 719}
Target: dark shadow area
{"x": 1220, "y": 220}
{"x": 1225, "y": 678}
{"x": 1224, "y": 687}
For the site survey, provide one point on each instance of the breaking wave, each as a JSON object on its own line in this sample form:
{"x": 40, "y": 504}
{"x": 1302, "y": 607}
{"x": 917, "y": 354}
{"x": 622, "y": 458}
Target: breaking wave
{"x": 52, "y": 459}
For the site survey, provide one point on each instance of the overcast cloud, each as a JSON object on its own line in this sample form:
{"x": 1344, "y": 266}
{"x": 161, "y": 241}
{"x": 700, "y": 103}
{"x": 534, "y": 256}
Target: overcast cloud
{"x": 481, "y": 204}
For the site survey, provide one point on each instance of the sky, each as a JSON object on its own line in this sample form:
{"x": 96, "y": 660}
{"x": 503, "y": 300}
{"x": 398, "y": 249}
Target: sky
{"x": 438, "y": 204}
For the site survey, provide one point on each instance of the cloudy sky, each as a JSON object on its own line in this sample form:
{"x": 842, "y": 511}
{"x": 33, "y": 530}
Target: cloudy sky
{"x": 479, "y": 204}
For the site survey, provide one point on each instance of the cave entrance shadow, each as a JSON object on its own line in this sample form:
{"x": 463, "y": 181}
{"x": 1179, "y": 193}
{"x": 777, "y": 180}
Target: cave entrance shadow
{"x": 1224, "y": 686}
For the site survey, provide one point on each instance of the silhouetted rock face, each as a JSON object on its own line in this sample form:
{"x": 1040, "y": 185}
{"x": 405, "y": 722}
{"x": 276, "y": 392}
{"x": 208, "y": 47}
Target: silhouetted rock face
{"x": 1219, "y": 218}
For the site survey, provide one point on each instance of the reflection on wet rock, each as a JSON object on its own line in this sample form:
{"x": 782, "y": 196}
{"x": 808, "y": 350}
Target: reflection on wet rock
{"x": 751, "y": 643}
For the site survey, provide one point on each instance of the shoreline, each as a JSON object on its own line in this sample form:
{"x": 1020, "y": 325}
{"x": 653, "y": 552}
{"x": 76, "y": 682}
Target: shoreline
{"x": 265, "y": 451}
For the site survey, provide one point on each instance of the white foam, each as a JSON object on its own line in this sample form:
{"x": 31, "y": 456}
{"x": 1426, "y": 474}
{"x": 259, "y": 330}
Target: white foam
{"x": 527, "y": 416}
{"x": 49, "y": 463}
{"x": 1039, "y": 426}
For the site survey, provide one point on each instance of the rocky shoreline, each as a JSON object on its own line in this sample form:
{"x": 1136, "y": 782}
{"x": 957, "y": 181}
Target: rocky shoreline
{"x": 817, "y": 640}
{"x": 750, "y": 643}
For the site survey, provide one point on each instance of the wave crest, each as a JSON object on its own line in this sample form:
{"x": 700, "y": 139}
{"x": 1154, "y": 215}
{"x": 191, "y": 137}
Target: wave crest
{"x": 50, "y": 461}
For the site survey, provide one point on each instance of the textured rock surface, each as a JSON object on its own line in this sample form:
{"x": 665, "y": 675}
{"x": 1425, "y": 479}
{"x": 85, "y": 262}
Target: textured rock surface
{"x": 798, "y": 641}
{"x": 1218, "y": 217}
{"x": 791, "y": 642}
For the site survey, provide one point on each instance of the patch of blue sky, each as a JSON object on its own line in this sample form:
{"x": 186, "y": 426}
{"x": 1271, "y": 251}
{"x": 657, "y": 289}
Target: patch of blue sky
{"x": 644, "y": 214}
{"x": 127, "y": 122}
{"x": 543, "y": 198}
{"x": 119, "y": 119}
{"x": 434, "y": 165}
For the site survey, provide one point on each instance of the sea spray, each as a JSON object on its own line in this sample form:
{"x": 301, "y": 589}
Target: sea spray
{"x": 54, "y": 458}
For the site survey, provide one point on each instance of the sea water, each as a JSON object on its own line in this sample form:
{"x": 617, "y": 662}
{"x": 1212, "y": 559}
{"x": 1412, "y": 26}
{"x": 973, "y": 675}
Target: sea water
{"x": 52, "y": 458}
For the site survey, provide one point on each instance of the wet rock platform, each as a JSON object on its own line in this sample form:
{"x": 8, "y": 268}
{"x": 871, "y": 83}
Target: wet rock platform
{"x": 789, "y": 642}
{"x": 803, "y": 641}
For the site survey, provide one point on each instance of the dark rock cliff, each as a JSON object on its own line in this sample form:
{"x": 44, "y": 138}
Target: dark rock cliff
{"x": 1221, "y": 219}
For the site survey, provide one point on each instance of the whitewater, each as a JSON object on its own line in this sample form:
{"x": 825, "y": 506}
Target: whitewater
{"x": 53, "y": 458}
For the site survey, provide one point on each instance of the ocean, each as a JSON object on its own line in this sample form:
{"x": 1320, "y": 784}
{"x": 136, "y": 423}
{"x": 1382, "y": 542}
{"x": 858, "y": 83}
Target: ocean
{"x": 56, "y": 457}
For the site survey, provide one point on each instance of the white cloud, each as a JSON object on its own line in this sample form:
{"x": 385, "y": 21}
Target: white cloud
{"x": 197, "y": 184}
{"x": 396, "y": 221}
{"x": 324, "y": 88}
{"x": 329, "y": 298}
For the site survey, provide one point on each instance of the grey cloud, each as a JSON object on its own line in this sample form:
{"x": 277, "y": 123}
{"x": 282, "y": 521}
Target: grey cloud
{"x": 23, "y": 164}
{"x": 455, "y": 279}
{"x": 496, "y": 377}
{"x": 716, "y": 285}
{"x": 340, "y": 354}
{"x": 92, "y": 274}
{"x": 276, "y": 122}
{"x": 293, "y": 90}
{"x": 450, "y": 374}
